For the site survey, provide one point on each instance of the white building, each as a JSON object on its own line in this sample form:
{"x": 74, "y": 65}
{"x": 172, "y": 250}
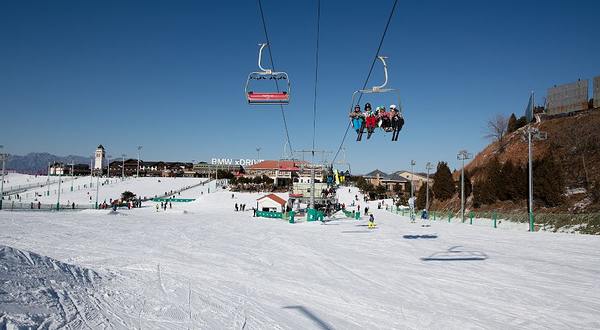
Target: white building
{"x": 271, "y": 203}
{"x": 100, "y": 156}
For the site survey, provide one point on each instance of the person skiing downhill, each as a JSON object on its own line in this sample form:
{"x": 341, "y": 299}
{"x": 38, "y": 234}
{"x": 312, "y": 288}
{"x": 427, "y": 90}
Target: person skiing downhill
{"x": 397, "y": 122}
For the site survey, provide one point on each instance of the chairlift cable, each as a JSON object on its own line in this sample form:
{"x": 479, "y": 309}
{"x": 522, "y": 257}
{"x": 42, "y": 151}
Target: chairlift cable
{"x": 316, "y": 74}
{"x": 368, "y": 76}
{"x": 262, "y": 15}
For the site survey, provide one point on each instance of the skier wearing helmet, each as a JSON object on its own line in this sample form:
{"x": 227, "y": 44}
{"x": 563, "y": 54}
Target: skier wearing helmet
{"x": 371, "y": 119}
{"x": 357, "y": 121}
{"x": 397, "y": 122}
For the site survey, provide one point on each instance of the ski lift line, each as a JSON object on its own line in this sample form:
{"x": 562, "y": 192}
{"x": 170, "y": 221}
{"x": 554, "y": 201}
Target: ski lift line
{"x": 262, "y": 15}
{"x": 316, "y": 74}
{"x": 369, "y": 75}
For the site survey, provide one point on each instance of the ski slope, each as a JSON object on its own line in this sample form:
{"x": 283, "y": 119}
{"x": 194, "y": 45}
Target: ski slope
{"x": 201, "y": 265}
{"x": 83, "y": 194}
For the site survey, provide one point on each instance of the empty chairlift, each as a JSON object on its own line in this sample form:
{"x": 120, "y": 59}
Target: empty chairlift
{"x": 254, "y": 95}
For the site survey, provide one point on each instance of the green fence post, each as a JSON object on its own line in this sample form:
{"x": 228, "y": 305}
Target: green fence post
{"x": 495, "y": 218}
{"x": 449, "y": 215}
{"x": 433, "y": 215}
{"x": 531, "y": 221}
{"x": 471, "y": 218}
{"x": 402, "y": 212}
{"x": 57, "y": 206}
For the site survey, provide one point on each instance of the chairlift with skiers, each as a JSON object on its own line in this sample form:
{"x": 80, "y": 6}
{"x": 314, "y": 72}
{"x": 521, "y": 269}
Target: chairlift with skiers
{"x": 388, "y": 121}
{"x": 267, "y": 98}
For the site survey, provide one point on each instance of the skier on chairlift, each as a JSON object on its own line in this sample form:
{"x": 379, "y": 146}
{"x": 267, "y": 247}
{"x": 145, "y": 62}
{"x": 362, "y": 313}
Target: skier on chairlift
{"x": 371, "y": 119}
{"x": 384, "y": 119}
{"x": 397, "y": 122}
{"x": 357, "y": 119}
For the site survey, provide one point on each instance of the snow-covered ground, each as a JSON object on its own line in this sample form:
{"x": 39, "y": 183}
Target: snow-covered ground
{"x": 201, "y": 265}
{"x": 111, "y": 189}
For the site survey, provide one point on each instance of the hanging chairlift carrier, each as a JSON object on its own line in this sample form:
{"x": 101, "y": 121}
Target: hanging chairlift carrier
{"x": 379, "y": 89}
{"x": 281, "y": 98}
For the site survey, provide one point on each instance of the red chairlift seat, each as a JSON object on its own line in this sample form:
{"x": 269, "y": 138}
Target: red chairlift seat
{"x": 268, "y": 98}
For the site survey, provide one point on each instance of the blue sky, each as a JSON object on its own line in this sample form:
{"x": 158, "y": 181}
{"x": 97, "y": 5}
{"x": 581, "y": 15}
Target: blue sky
{"x": 170, "y": 75}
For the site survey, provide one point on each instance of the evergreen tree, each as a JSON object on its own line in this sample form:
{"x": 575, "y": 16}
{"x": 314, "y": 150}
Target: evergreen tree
{"x": 443, "y": 184}
{"x": 521, "y": 122}
{"x": 494, "y": 180}
{"x": 512, "y": 124}
{"x": 508, "y": 189}
{"x": 422, "y": 197}
{"x": 548, "y": 181}
{"x": 521, "y": 183}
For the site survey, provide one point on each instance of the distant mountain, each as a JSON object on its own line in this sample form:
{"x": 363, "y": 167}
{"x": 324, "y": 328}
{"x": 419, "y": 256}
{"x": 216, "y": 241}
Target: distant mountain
{"x": 35, "y": 162}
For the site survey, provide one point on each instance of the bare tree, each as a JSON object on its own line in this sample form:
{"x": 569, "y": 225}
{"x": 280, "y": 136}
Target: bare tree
{"x": 581, "y": 141}
{"x": 496, "y": 130}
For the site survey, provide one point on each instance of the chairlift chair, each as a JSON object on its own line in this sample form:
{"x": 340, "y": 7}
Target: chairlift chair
{"x": 379, "y": 89}
{"x": 281, "y": 98}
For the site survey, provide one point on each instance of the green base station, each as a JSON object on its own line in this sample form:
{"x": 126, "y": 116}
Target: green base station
{"x": 314, "y": 215}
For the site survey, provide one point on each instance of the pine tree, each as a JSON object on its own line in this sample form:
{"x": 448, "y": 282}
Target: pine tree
{"x": 548, "y": 181}
{"x": 422, "y": 197}
{"x": 494, "y": 180}
{"x": 443, "y": 184}
{"x": 508, "y": 189}
{"x": 512, "y": 124}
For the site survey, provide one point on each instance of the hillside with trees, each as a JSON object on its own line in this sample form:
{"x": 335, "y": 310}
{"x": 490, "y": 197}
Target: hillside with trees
{"x": 566, "y": 169}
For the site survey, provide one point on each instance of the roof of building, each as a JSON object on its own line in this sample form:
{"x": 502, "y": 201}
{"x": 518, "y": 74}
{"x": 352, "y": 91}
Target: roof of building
{"x": 275, "y": 198}
{"x": 276, "y": 164}
{"x": 394, "y": 177}
{"x": 374, "y": 174}
{"x": 100, "y": 147}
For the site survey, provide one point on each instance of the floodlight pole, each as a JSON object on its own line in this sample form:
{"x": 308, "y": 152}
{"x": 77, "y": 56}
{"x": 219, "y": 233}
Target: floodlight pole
{"x": 462, "y": 155}
{"x": 4, "y": 156}
{"x": 412, "y": 164}
{"x": 72, "y": 173}
{"x": 428, "y": 167}
{"x": 138, "y": 163}
{"x": 258, "y": 154}
{"x": 91, "y": 171}
{"x": 108, "y": 166}
{"x": 97, "y": 189}
{"x": 123, "y": 167}
{"x": 59, "y": 181}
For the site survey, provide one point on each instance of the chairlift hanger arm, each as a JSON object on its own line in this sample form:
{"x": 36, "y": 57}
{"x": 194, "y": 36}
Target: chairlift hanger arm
{"x": 267, "y": 71}
{"x": 377, "y": 88}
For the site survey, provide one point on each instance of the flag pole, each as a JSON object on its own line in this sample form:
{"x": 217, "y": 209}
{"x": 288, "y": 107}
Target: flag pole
{"x": 530, "y": 166}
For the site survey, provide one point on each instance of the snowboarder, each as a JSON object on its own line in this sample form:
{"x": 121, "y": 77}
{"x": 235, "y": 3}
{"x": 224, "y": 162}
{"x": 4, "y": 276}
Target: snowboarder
{"x": 371, "y": 221}
{"x": 236, "y": 207}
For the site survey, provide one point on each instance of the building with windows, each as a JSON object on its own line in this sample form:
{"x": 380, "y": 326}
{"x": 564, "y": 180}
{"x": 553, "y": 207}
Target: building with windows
{"x": 158, "y": 168}
{"x": 204, "y": 169}
{"x": 99, "y": 156}
{"x": 282, "y": 171}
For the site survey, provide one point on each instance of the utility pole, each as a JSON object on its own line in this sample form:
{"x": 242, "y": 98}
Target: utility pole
{"x": 462, "y": 155}
{"x": 257, "y": 154}
{"x": 123, "y": 167}
{"x": 428, "y": 167}
{"x": 138, "y": 164}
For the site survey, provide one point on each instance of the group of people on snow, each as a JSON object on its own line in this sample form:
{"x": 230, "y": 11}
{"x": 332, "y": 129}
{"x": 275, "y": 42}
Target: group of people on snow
{"x": 389, "y": 121}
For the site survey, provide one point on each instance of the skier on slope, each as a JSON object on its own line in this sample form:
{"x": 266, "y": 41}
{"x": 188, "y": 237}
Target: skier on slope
{"x": 371, "y": 221}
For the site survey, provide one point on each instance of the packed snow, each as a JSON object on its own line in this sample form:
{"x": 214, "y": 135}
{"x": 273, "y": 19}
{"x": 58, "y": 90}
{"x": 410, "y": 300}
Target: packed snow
{"x": 202, "y": 265}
